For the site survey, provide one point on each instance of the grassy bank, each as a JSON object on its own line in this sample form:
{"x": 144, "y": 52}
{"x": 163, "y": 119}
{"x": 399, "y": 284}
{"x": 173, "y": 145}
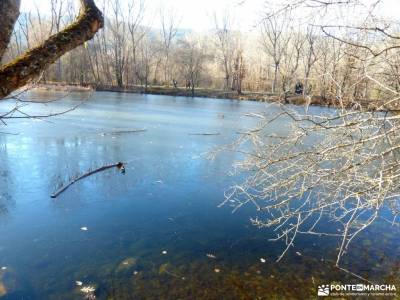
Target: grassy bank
{"x": 213, "y": 93}
{"x": 257, "y": 96}
{"x": 220, "y": 94}
{"x": 198, "y": 92}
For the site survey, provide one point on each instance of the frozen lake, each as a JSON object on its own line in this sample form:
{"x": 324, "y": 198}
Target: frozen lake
{"x": 154, "y": 232}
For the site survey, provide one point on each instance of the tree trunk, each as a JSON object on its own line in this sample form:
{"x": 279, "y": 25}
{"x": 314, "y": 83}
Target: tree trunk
{"x": 31, "y": 64}
{"x": 9, "y": 10}
{"x": 275, "y": 79}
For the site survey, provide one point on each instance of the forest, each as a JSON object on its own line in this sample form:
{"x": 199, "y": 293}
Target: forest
{"x": 333, "y": 63}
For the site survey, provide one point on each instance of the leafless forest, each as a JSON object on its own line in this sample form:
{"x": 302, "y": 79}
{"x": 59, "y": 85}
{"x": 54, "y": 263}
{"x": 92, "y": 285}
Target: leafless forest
{"x": 354, "y": 62}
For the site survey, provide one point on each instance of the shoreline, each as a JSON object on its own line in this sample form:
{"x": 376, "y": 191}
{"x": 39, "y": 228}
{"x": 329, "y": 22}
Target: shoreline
{"x": 294, "y": 99}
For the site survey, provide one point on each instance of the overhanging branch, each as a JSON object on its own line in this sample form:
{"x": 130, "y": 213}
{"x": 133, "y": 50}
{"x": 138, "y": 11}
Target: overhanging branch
{"x": 29, "y": 65}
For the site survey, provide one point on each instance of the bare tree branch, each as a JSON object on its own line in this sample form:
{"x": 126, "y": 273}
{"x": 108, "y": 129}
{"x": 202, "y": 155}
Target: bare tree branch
{"x": 26, "y": 67}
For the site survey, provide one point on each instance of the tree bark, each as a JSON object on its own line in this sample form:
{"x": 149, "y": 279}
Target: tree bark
{"x": 30, "y": 65}
{"x": 9, "y": 12}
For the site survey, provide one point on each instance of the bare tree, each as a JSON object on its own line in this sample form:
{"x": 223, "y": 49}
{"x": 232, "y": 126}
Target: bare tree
{"x": 327, "y": 68}
{"x": 103, "y": 50}
{"x": 136, "y": 10}
{"x": 57, "y": 7}
{"x": 341, "y": 166}
{"x": 169, "y": 29}
{"x": 290, "y": 60}
{"x": 274, "y": 40}
{"x": 118, "y": 28}
{"x": 225, "y": 43}
{"x": 28, "y": 66}
{"x": 146, "y": 60}
{"x": 310, "y": 56}
{"x": 239, "y": 72}
{"x": 192, "y": 57}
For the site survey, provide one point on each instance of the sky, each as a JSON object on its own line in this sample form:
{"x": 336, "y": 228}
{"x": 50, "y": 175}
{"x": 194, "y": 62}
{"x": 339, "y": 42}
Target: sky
{"x": 192, "y": 14}
{"x": 196, "y": 14}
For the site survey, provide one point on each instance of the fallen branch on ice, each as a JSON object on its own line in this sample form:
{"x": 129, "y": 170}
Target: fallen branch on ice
{"x": 216, "y": 133}
{"x": 8, "y": 133}
{"x": 118, "y": 165}
{"x": 123, "y": 131}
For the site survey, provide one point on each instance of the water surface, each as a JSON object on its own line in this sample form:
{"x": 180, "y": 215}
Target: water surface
{"x": 149, "y": 230}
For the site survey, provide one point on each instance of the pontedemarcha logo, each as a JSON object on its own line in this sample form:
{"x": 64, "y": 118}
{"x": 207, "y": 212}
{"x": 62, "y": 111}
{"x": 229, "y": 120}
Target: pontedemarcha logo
{"x": 357, "y": 289}
{"x": 323, "y": 290}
